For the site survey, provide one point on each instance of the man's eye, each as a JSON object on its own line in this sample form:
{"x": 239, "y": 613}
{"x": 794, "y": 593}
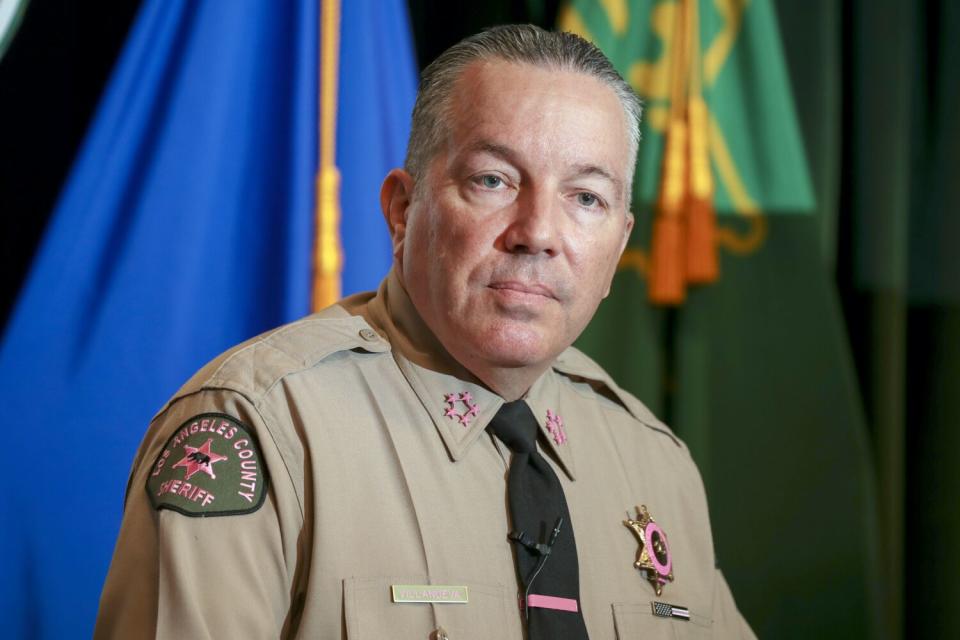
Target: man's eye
{"x": 491, "y": 181}
{"x": 585, "y": 199}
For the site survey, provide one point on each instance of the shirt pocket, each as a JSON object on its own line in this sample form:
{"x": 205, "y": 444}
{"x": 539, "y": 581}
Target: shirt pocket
{"x": 370, "y": 613}
{"x": 636, "y": 621}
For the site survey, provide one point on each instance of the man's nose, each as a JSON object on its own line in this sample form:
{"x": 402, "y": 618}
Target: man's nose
{"x": 535, "y": 225}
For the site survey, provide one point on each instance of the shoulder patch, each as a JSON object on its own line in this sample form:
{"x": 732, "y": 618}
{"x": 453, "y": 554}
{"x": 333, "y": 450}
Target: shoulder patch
{"x": 210, "y": 466}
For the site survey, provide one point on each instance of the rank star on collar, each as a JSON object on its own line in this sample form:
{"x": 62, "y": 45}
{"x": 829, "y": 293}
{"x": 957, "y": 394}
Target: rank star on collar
{"x": 555, "y": 427}
{"x": 199, "y": 459}
{"x": 465, "y": 397}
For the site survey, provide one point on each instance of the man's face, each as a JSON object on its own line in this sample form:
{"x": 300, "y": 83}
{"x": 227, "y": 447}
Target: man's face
{"x": 513, "y": 240}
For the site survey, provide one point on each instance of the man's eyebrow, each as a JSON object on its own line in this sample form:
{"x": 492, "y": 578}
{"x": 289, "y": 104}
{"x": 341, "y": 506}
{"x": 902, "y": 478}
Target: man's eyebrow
{"x": 499, "y": 150}
{"x": 581, "y": 170}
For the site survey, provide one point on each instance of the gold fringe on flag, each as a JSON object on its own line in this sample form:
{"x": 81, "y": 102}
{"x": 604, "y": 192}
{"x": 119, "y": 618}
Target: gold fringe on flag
{"x": 327, "y": 252}
{"x": 667, "y": 283}
{"x": 702, "y": 264}
{"x": 701, "y": 254}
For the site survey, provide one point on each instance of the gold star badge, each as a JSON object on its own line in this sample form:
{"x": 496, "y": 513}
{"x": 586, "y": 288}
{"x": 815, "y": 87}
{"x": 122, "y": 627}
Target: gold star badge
{"x": 653, "y": 556}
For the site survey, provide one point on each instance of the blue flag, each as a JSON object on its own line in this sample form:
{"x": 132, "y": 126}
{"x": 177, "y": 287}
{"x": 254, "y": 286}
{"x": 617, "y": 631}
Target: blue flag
{"x": 186, "y": 226}
{"x": 377, "y": 89}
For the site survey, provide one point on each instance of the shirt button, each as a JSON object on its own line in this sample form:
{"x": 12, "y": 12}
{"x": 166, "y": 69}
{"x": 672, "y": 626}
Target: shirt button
{"x": 439, "y": 634}
{"x": 369, "y": 335}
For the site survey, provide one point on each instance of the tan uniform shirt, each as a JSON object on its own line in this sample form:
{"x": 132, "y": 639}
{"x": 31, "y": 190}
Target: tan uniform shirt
{"x": 372, "y": 484}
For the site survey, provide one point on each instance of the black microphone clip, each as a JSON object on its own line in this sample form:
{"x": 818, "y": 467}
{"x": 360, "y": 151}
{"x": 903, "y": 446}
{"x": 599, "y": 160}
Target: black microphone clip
{"x": 533, "y": 545}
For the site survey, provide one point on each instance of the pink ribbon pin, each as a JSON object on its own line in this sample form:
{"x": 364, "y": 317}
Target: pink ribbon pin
{"x": 552, "y": 602}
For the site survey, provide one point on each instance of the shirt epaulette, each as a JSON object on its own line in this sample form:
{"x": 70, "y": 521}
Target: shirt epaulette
{"x": 577, "y": 366}
{"x": 251, "y": 368}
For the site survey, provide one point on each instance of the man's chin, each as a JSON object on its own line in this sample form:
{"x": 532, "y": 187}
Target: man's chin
{"x": 511, "y": 347}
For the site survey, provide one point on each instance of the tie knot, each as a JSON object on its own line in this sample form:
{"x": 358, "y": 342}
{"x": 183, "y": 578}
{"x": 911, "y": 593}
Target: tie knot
{"x": 516, "y": 426}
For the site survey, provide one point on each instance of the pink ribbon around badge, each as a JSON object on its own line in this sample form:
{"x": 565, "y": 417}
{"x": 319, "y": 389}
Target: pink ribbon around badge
{"x": 552, "y": 602}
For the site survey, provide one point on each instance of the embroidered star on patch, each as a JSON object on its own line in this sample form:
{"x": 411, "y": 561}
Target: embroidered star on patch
{"x": 199, "y": 459}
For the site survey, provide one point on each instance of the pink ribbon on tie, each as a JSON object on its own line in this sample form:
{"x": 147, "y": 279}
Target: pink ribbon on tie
{"x": 552, "y": 602}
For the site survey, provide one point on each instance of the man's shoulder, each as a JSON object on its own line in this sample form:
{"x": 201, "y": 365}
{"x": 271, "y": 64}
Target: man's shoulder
{"x": 579, "y": 367}
{"x": 253, "y": 367}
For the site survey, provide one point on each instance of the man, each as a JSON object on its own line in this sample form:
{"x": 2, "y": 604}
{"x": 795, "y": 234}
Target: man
{"x": 360, "y": 473}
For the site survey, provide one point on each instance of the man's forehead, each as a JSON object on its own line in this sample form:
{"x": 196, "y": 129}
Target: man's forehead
{"x": 510, "y": 76}
{"x": 508, "y": 109}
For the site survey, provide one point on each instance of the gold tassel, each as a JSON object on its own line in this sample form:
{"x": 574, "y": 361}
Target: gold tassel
{"x": 667, "y": 285}
{"x": 668, "y": 279}
{"x": 328, "y": 254}
{"x": 701, "y": 251}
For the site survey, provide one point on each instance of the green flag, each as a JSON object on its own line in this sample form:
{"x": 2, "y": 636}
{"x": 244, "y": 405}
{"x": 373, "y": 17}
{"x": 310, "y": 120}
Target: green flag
{"x": 754, "y": 372}
{"x": 755, "y": 145}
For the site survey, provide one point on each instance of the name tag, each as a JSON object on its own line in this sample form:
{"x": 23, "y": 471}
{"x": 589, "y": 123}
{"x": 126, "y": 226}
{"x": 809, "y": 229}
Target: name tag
{"x": 435, "y": 593}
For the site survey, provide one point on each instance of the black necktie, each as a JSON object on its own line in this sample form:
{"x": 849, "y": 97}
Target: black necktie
{"x": 546, "y": 550}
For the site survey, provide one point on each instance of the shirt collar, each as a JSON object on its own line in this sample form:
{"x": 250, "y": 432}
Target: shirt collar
{"x": 549, "y": 405}
{"x": 459, "y": 405}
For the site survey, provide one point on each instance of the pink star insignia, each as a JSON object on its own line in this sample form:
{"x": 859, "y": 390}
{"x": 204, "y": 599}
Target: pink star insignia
{"x": 555, "y": 427}
{"x": 451, "y": 399}
{"x": 199, "y": 459}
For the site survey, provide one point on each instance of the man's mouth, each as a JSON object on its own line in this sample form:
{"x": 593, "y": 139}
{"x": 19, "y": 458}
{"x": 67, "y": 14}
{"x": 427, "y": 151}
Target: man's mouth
{"x": 523, "y": 289}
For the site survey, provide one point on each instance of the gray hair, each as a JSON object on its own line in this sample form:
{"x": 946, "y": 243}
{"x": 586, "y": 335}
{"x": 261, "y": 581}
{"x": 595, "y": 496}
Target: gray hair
{"x": 519, "y": 43}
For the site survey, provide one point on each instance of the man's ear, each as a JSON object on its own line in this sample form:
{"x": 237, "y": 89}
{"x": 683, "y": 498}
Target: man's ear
{"x": 396, "y": 194}
{"x": 626, "y": 232}
{"x": 627, "y": 228}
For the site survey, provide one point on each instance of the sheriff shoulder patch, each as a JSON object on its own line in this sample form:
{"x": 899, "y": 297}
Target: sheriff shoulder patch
{"x": 210, "y": 466}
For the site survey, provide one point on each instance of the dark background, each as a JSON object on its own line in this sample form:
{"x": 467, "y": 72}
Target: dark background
{"x": 886, "y": 142}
